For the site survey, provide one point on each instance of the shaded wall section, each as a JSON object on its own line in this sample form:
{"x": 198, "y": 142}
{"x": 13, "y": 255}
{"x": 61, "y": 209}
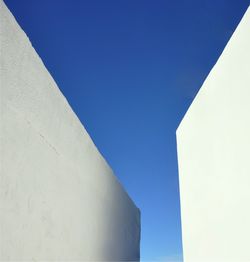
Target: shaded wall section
{"x": 59, "y": 200}
{"x": 214, "y": 159}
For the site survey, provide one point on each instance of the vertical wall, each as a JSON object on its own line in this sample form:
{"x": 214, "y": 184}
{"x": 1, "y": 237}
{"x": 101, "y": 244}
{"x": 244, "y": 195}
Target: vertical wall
{"x": 59, "y": 200}
{"x": 214, "y": 159}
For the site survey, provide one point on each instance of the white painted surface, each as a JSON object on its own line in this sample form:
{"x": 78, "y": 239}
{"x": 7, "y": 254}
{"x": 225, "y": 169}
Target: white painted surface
{"x": 214, "y": 159}
{"x": 59, "y": 200}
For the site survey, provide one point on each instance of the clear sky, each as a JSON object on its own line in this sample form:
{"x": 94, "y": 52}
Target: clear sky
{"x": 130, "y": 69}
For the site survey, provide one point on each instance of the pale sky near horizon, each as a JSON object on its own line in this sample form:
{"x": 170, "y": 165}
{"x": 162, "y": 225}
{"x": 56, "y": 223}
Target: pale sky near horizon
{"x": 130, "y": 70}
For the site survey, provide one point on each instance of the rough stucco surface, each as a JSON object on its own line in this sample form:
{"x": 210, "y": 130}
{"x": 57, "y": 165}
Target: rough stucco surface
{"x": 214, "y": 159}
{"x": 58, "y": 198}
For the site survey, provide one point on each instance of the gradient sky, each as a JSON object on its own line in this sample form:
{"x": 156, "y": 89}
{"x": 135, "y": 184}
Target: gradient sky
{"x": 130, "y": 69}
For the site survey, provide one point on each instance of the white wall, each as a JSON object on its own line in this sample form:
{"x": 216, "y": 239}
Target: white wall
{"x": 214, "y": 159}
{"x": 59, "y": 200}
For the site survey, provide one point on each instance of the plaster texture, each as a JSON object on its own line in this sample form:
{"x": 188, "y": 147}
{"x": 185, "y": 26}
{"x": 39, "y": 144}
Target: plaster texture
{"x": 59, "y": 200}
{"x": 213, "y": 143}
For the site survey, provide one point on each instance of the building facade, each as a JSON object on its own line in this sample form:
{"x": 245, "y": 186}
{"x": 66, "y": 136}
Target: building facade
{"x": 59, "y": 200}
{"x": 213, "y": 144}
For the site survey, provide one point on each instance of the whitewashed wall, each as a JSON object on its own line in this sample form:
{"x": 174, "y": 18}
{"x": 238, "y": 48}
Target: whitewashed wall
{"x": 59, "y": 200}
{"x": 214, "y": 159}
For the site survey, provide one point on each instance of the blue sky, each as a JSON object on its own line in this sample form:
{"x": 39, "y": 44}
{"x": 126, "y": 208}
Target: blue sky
{"x": 130, "y": 69}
